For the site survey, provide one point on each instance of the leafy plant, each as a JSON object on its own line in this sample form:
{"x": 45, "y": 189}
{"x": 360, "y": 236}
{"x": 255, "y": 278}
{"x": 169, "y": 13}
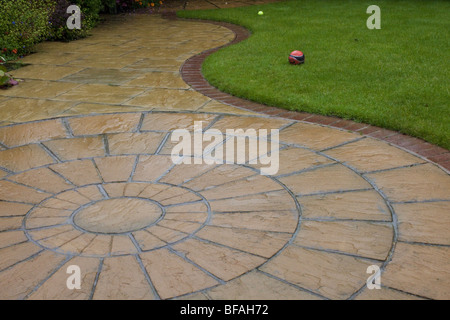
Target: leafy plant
{"x": 114, "y": 6}
{"x": 23, "y": 23}
{"x": 6, "y": 79}
{"x": 58, "y": 18}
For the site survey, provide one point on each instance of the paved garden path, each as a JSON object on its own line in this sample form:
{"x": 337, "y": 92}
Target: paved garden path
{"x": 86, "y": 179}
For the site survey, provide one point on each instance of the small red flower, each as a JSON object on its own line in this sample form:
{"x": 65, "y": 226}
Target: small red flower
{"x": 14, "y": 51}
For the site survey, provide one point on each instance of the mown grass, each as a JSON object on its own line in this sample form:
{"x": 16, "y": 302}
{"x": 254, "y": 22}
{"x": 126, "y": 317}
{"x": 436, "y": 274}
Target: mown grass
{"x": 396, "y": 77}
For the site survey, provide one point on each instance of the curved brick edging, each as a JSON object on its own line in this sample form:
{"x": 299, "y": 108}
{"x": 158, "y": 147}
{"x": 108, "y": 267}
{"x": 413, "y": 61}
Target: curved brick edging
{"x": 191, "y": 72}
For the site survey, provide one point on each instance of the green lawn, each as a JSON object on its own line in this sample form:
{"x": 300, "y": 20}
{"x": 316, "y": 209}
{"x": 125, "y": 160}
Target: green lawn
{"x": 396, "y": 77}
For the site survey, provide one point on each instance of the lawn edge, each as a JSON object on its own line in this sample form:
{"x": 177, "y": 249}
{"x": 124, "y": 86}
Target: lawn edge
{"x": 191, "y": 73}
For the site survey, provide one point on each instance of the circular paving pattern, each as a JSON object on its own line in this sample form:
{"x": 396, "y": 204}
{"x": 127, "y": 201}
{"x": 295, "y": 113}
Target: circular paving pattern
{"x": 119, "y": 215}
{"x": 131, "y": 213}
{"x": 112, "y": 201}
{"x": 101, "y": 191}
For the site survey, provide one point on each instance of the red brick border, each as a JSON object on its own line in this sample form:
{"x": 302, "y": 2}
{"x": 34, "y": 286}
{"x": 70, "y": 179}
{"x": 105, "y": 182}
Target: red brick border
{"x": 191, "y": 72}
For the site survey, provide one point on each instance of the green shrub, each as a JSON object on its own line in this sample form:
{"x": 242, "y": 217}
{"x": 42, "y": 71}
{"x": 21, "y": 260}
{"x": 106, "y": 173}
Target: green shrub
{"x": 114, "y": 6}
{"x": 23, "y": 23}
{"x": 6, "y": 80}
{"x": 90, "y": 8}
{"x": 58, "y": 18}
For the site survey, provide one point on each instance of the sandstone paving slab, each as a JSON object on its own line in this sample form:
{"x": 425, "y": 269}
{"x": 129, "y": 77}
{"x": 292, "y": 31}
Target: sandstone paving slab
{"x": 117, "y": 215}
{"x": 172, "y": 121}
{"x": 173, "y": 276}
{"x": 43, "y": 179}
{"x": 122, "y": 279}
{"x": 55, "y": 287}
{"x": 190, "y": 150}
{"x": 296, "y": 159}
{"x": 166, "y": 234}
{"x": 187, "y": 216}
{"x": 187, "y": 208}
{"x": 77, "y": 148}
{"x": 73, "y": 196}
{"x": 218, "y": 175}
{"x": 318, "y": 180}
{"x": 11, "y": 238}
{"x": 40, "y": 222}
{"x": 41, "y": 212}
{"x": 424, "y": 182}
{"x": 199, "y": 296}
{"x": 424, "y": 222}
{"x": 99, "y": 108}
{"x": 96, "y": 75}
{"x": 99, "y": 50}
{"x": 10, "y": 191}
{"x": 122, "y": 244}
{"x": 32, "y": 132}
{"x": 102, "y": 93}
{"x": 107, "y": 167}
{"x": 56, "y": 203}
{"x": 169, "y": 99}
{"x": 40, "y": 89}
{"x": 25, "y": 157}
{"x": 419, "y": 269}
{"x": 50, "y": 58}
{"x": 5, "y": 123}
{"x": 166, "y": 80}
{"x": 331, "y": 275}
{"x": 24, "y": 250}
{"x": 20, "y": 281}
{"x": 215, "y": 106}
{"x": 100, "y": 246}
{"x": 261, "y": 243}
{"x": 182, "y": 173}
{"x": 150, "y": 168}
{"x": 315, "y": 136}
{"x": 371, "y": 155}
{"x": 385, "y": 294}
{"x": 46, "y": 73}
{"x": 246, "y": 186}
{"x": 147, "y": 241}
{"x": 78, "y": 172}
{"x": 245, "y": 123}
{"x": 13, "y": 209}
{"x": 54, "y": 243}
{"x": 258, "y": 286}
{"x": 77, "y": 244}
{"x": 276, "y": 221}
{"x": 364, "y": 239}
{"x": 151, "y": 64}
{"x": 92, "y": 193}
{"x": 222, "y": 262}
{"x": 11, "y": 223}
{"x": 110, "y": 64}
{"x": 133, "y": 143}
{"x": 356, "y": 205}
{"x": 277, "y": 200}
{"x": 23, "y": 110}
{"x": 104, "y": 124}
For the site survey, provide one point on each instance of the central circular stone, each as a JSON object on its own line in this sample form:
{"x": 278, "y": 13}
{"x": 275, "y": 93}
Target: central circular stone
{"x": 117, "y": 215}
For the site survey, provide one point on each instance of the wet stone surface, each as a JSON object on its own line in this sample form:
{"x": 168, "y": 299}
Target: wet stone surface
{"x": 87, "y": 179}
